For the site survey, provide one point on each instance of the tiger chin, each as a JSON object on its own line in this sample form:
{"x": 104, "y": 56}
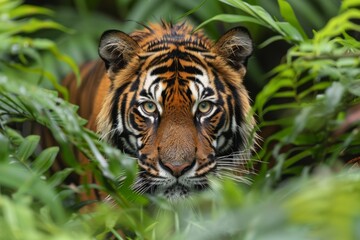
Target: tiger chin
{"x": 175, "y": 100}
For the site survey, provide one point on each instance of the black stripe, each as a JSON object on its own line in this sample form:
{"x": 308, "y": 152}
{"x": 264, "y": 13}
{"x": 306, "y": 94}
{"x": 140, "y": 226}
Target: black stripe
{"x": 196, "y": 49}
{"x": 221, "y": 122}
{"x": 160, "y": 70}
{"x": 192, "y": 70}
{"x": 207, "y": 92}
{"x": 135, "y": 84}
{"x": 172, "y": 40}
{"x": 183, "y": 55}
{"x": 218, "y": 83}
{"x": 115, "y": 102}
{"x": 210, "y": 161}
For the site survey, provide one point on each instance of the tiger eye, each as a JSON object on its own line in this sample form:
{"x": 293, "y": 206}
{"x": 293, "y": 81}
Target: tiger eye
{"x": 149, "y": 107}
{"x": 205, "y": 107}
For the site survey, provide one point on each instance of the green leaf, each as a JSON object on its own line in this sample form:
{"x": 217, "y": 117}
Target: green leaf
{"x": 354, "y": 87}
{"x": 59, "y": 177}
{"x": 255, "y": 11}
{"x": 270, "y": 40}
{"x": 27, "y": 147}
{"x": 68, "y": 60}
{"x": 284, "y": 106}
{"x": 313, "y": 89}
{"x": 27, "y": 10}
{"x": 288, "y": 14}
{"x": 4, "y": 149}
{"x": 338, "y": 25}
{"x": 230, "y": 18}
{"x": 7, "y": 5}
{"x": 333, "y": 95}
{"x": 45, "y": 160}
{"x": 192, "y": 10}
{"x": 15, "y": 177}
{"x": 14, "y": 136}
{"x": 32, "y": 26}
{"x": 349, "y": 4}
{"x": 290, "y": 32}
{"x": 296, "y": 158}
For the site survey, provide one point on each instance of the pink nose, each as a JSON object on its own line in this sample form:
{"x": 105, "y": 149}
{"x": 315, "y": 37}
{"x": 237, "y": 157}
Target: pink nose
{"x": 177, "y": 169}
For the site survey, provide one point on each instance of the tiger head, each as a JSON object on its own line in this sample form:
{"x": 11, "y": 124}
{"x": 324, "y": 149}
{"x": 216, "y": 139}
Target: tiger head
{"x": 177, "y": 104}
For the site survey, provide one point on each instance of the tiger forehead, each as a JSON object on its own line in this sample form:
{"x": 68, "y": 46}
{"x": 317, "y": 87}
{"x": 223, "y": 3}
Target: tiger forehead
{"x": 158, "y": 36}
{"x": 177, "y": 91}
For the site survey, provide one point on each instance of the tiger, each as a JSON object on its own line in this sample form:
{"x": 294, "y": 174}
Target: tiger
{"x": 173, "y": 99}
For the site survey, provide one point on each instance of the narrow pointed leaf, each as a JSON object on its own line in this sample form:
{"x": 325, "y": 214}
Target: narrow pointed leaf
{"x": 45, "y": 160}
{"x": 288, "y": 14}
{"x": 27, "y": 147}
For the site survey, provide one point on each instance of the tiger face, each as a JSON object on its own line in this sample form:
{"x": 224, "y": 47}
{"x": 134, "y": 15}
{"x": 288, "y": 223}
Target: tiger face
{"x": 177, "y": 104}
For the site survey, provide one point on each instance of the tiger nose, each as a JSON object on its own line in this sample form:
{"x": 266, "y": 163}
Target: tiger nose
{"x": 178, "y": 169}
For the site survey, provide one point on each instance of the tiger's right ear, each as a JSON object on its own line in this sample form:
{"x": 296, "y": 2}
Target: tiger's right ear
{"x": 235, "y": 46}
{"x": 116, "y": 49}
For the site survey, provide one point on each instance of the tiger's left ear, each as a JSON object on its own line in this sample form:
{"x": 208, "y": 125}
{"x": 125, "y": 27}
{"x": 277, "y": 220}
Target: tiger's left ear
{"x": 235, "y": 46}
{"x": 117, "y": 49}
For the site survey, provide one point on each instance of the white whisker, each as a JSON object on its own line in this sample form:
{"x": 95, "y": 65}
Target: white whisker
{"x": 237, "y": 171}
{"x": 104, "y": 136}
{"x": 236, "y": 178}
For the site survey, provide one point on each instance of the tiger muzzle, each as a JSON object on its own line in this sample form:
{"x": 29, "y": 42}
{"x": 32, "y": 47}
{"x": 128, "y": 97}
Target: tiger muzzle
{"x": 177, "y": 148}
{"x": 177, "y": 169}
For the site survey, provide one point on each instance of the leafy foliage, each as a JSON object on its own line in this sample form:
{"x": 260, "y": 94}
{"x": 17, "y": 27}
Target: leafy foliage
{"x": 310, "y": 105}
{"x": 314, "y": 89}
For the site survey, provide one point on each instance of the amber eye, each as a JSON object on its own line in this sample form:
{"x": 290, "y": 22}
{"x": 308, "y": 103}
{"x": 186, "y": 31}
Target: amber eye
{"x": 149, "y": 107}
{"x": 205, "y": 107}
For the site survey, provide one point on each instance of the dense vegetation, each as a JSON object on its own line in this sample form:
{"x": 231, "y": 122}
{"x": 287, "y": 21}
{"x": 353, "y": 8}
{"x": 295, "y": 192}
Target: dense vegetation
{"x": 307, "y": 108}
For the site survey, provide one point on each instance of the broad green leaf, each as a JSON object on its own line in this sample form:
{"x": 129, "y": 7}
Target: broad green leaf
{"x": 45, "y": 160}
{"x": 27, "y": 147}
{"x": 14, "y": 136}
{"x": 58, "y": 178}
